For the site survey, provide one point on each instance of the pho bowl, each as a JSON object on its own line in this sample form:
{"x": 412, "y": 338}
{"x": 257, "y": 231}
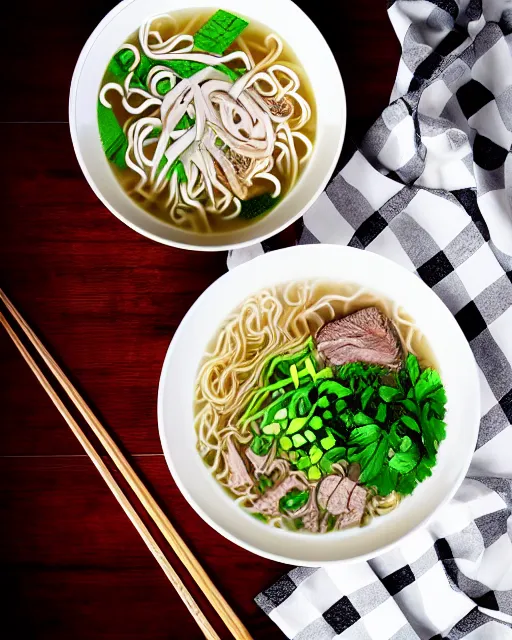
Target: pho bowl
{"x": 315, "y": 57}
{"x": 178, "y": 388}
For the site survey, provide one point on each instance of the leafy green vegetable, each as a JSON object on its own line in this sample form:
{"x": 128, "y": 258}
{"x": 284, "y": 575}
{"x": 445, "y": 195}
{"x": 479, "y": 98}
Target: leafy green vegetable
{"x": 261, "y": 445}
{"x": 221, "y": 30}
{"x": 257, "y": 206}
{"x": 264, "y": 483}
{"x": 388, "y": 393}
{"x": 120, "y": 64}
{"x": 334, "y": 388}
{"x": 260, "y": 516}
{"x": 294, "y": 500}
{"x": 386, "y": 480}
{"x": 113, "y": 139}
{"x": 391, "y": 423}
{"x": 380, "y": 416}
{"x": 366, "y": 396}
{"x": 185, "y": 122}
{"x": 413, "y": 367}
{"x": 407, "y": 483}
{"x": 331, "y": 457}
{"x": 362, "y": 436}
{"x": 374, "y": 465}
{"x": 403, "y": 462}
{"x": 410, "y": 423}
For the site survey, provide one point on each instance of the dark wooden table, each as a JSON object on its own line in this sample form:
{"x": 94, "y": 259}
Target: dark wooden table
{"x": 107, "y": 301}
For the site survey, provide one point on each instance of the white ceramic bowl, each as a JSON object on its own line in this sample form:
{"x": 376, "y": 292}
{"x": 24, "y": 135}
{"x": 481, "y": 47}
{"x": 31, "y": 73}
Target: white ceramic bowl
{"x": 300, "y": 33}
{"x": 177, "y": 383}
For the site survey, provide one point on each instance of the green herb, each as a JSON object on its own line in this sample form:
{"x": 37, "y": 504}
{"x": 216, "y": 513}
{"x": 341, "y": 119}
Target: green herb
{"x": 163, "y": 86}
{"x": 264, "y": 483}
{"x": 294, "y": 500}
{"x": 335, "y": 388}
{"x": 331, "y": 457}
{"x": 410, "y": 423}
{"x": 298, "y": 440}
{"x": 391, "y": 423}
{"x": 185, "y": 122}
{"x": 413, "y": 367}
{"x": 261, "y": 445}
{"x": 221, "y": 30}
{"x": 388, "y": 393}
{"x": 366, "y": 396}
{"x": 257, "y": 206}
{"x": 362, "y": 436}
{"x": 360, "y": 418}
{"x": 380, "y": 416}
{"x": 113, "y": 139}
{"x": 260, "y": 516}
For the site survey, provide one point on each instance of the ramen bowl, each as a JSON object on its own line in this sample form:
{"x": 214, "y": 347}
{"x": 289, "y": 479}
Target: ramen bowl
{"x": 386, "y": 279}
{"x": 315, "y": 57}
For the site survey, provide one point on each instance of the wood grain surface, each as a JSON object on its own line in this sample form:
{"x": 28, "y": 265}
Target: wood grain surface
{"x": 106, "y": 302}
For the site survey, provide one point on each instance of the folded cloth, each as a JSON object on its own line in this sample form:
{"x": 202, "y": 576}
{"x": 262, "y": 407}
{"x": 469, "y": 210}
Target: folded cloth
{"x": 430, "y": 188}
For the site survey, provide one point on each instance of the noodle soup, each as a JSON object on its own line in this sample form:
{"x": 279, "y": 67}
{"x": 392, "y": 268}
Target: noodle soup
{"x": 319, "y": 406}
{"x": 207, "y": 119}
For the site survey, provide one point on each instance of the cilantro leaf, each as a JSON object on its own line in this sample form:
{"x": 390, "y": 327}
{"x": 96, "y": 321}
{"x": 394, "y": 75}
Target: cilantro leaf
{"x": 410, "y": 405}
{"x": 405, "y": 461}
{"x": 429, "y": 382}
{"x": 365, "y": 435}
{"x": 424, "y": 469}
{"x": 386, "y": 480}
{"x": 363, "y": 456}
{"x": 406, "y": 483}
{"x": 366, "y": 396}
{"x": 411, "y": 423}
{"x": 406, "y": 443}
{"x": 388, "y": 393}
{"x": 373, "y": 467}
{"x": 380, "y": 416}
{"x": 413, "y": 367}
{"x": 394, "y": 438}
{"x": 331, "y": 457}
{"x": 361, "y": 419}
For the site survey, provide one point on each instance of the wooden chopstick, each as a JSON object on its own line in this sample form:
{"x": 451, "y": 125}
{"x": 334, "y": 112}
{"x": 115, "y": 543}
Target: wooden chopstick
{"x": 228, "y": 616}
{"x": 175, "y": 580}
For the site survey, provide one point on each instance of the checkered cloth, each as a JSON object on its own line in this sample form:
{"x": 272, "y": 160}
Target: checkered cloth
{"x": 430, "y": 188}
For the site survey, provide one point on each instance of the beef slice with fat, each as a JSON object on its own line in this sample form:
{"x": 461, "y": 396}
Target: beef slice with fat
{"x": 364, "y": 336}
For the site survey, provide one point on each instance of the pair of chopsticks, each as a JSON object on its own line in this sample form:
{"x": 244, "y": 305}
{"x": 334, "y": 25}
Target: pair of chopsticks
{"x": 228, "y": 616}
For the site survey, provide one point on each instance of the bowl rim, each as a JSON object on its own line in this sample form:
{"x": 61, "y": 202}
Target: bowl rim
{"x": 242, "y": 543}
{"x": 75, "y": 81}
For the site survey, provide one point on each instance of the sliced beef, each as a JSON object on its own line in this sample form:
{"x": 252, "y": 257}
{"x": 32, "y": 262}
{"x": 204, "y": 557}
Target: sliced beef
{"x": 364, "y": 336}
{"x": 343, "y": 498}
{"x": 268, "y": 504}
{"x": 333, "y": 494}
{"x": 309, "y": 515}
{"x": 338, "y": 502}
{"x": 326, "y": 488}
{"x": 238, "y": 475}
{"x": 356, "y": 505}
{"x": 258, "y": 462}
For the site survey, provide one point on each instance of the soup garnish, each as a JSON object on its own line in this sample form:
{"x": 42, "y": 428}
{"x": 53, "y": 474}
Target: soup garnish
{"x": 319, "y": 407}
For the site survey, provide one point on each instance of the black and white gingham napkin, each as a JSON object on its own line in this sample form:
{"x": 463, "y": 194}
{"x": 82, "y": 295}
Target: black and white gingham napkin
{"x": 431, "y": 189}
